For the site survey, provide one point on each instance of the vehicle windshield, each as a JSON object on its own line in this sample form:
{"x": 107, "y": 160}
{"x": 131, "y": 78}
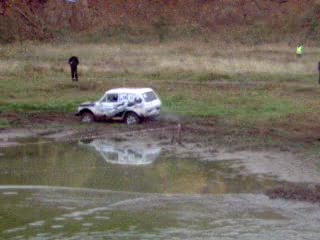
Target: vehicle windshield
{"x": 149, "y": 96}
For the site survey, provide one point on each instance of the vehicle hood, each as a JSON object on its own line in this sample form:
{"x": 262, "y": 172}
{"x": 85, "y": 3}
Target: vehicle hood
{"x": 87, "y": 104}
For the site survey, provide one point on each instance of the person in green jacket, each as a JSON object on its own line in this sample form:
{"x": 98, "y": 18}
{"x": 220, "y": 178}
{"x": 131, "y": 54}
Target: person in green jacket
{"x": 299, "y": 50}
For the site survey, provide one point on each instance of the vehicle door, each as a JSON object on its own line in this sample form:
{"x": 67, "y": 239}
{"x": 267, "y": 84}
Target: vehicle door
{"x": 131, "y": 100}
{"x": 109, "y": 104}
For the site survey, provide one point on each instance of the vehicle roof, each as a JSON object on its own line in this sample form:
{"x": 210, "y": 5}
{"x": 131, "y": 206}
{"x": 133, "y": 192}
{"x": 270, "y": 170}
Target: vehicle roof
{"x": 129, "y": 90}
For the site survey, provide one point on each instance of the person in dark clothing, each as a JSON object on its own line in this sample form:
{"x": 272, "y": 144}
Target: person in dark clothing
{"x": 73, "y": 62}
{"x": 319, "y": 72}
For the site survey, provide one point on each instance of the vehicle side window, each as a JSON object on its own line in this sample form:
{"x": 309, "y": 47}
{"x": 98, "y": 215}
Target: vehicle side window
{"x": 112, "y": 97}
{"x": 131, "y": 97}
{"x": 123, "y": 97}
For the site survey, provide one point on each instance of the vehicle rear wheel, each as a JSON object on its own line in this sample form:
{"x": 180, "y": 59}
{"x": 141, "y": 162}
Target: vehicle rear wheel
{"x": 131, "y": 118}
{"x": 87, "y": 117}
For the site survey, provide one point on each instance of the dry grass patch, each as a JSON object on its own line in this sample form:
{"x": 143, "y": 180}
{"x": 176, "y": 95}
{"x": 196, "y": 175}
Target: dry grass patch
{"x": 149, "y": 58}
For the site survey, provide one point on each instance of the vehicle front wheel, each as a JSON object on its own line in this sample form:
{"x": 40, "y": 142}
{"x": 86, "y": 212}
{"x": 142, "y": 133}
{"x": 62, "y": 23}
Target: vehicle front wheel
{"x": 131, "y": 118}
{"x": 87, "y": 117}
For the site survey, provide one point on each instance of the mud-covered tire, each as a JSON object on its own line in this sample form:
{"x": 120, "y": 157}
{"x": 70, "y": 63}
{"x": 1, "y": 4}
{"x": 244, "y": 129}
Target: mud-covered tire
{"x": 87, "y": 117}
{"x": 131, "y": 118}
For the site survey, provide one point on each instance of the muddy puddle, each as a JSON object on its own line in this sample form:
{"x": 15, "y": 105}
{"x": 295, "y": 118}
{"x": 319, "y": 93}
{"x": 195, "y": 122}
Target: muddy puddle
{"x": 120, "y": 189}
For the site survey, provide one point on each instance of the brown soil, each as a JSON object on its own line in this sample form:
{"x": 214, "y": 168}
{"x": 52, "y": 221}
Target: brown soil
{"x": 300, "y": 130}
{"x": 27, "y": 119}
{"x": 296, "y": 192}
{"x": 304, "y": 128}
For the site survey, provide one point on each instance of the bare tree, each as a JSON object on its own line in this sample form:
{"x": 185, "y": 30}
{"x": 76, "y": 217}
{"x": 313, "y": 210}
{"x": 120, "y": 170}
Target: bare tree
{"x": 27, "y": 15}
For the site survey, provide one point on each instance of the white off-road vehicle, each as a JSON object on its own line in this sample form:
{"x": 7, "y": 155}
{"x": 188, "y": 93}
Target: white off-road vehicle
{"x": 128, "y": 104}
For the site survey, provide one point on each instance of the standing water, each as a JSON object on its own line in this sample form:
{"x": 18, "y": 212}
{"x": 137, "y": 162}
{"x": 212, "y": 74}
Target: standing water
{"x": 118, "y": 189}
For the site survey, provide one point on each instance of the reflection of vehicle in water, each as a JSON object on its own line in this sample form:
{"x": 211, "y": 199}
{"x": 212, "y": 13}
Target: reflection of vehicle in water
{"x": 125, "y": 153}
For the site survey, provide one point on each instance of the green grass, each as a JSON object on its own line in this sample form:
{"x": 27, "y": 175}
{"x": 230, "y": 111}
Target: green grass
{"x": 247, "y": 107}
{"x": 4, "y": 123}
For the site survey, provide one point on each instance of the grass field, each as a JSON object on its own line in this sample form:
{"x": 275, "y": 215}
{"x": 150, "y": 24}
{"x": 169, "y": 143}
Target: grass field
{"x": 239, "y": 84}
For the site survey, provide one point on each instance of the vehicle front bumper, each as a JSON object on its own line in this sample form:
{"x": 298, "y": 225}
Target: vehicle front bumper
{"x": 151, "y": 112}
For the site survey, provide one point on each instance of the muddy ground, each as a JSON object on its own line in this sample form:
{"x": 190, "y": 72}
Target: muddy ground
{"x": 286, "y": 136}
{"x": 284, "y": 151}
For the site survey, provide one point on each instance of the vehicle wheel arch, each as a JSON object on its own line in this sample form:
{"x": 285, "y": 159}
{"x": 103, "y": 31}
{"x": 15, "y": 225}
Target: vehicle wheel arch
{"x": 87, "y": 112}
{"x": 129, "y": 112}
